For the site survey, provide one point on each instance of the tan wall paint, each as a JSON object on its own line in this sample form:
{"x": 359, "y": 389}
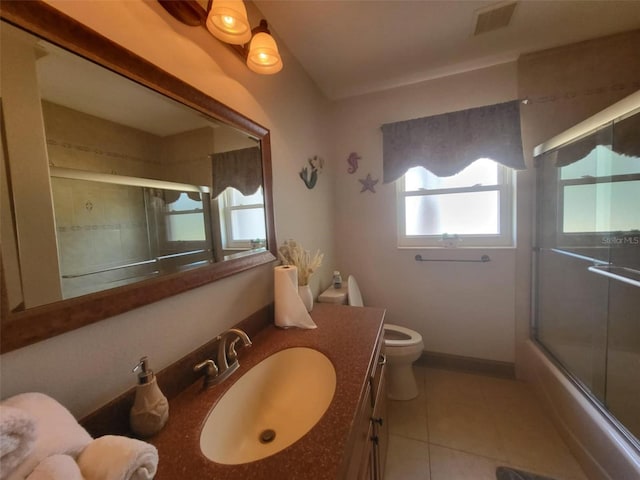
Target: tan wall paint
{"x": 459, "y": 308}
{"x": 25, "y": 138}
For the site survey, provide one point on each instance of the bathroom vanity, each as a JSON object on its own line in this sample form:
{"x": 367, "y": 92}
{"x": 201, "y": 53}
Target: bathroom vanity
{"x": 371, "y": 430}
{"x": 349, "y": 440}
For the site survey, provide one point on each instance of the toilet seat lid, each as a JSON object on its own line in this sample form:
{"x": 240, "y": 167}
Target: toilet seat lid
{"x": 355, "y": 297}
{"x": 412, "y": 337}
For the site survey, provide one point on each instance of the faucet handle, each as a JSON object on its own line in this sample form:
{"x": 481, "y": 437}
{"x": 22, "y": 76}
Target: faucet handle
{"x": 209, "y": 366}
{"x": 232, "y": 355}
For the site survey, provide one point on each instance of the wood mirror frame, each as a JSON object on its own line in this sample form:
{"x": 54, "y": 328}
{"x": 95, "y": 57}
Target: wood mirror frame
{"x": 22, "y": 328}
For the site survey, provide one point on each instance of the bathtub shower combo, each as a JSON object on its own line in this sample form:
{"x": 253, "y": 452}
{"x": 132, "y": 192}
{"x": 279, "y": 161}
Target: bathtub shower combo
{"x": 114, "y": 230}
{"x": 587, "y": 260}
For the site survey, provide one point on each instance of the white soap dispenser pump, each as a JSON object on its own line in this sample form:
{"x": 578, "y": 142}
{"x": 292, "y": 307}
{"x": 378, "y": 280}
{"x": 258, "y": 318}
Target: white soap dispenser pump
{"x": 150, "y": 409}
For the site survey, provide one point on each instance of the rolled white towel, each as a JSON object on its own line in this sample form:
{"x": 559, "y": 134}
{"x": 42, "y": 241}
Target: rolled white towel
{"x": 57, "y": 467}
{"x": 57, "y": 431}
{"x": 17, "y": 437}
{"x": 114, "y": 457}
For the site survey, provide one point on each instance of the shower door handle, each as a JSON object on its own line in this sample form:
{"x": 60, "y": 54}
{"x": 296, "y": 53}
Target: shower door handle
{"x": 605, "y": 270}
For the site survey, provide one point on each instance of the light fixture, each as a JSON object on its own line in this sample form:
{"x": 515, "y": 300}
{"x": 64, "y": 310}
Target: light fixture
{"x": 263, "y": 56}
{"x": 227, "y": 21}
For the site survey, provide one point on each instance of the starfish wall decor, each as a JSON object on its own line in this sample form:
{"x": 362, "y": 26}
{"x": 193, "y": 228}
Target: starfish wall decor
{"x": 368, "y": 183}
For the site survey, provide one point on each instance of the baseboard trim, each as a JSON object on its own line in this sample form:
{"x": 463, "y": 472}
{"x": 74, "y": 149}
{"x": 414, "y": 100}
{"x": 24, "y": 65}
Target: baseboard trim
{"x": 494, "y": 368}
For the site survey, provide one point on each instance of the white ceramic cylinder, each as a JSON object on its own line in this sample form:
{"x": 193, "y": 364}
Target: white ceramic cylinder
{"x": 304, "y": 292}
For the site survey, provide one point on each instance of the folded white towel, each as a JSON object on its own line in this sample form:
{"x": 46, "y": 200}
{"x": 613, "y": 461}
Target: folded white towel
{"x": 114, "y": 457}
{"x": 57, "y": 467}
{"x": 17, "y": 436}
{"x": 57, "y": 431}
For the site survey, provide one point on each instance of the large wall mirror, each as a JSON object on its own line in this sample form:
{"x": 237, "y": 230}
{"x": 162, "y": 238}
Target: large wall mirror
{"x": 121, "y": 185}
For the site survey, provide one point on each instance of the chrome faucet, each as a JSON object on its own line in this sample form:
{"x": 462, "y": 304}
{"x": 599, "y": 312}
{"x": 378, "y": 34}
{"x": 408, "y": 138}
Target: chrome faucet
{"x": 227, "y": 358}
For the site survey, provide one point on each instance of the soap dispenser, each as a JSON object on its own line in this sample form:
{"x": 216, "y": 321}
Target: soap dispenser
{"x": 337, "y": 280}
{"x": 150, "y": 409}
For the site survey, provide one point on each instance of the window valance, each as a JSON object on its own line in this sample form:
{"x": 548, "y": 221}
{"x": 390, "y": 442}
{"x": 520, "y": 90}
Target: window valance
{"x": 240, "y": 169}
{"x": 445, "y": 144}
{"x": 170, "y": 196}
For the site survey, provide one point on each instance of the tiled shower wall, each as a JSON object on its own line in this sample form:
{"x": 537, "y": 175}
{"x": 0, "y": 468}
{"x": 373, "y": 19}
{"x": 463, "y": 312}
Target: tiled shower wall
{"x": 98, "y": 225}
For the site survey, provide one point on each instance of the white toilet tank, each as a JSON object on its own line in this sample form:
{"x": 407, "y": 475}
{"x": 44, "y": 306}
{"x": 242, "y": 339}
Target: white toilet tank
{"x": 333, "y": 295}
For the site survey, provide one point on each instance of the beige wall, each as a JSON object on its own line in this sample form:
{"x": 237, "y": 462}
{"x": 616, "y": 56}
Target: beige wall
{"x": 23, "y": 132}
{"x": 185, "y": 156}
{"x": 85, "y": 142}
{"x": 93, "y": 364}
{"x": 459, "y": 308}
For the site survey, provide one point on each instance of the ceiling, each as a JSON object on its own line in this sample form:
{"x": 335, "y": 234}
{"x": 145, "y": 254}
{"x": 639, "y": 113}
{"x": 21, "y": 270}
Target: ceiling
{"x": 69, "y": 80}
{"x": 352, "y": 47}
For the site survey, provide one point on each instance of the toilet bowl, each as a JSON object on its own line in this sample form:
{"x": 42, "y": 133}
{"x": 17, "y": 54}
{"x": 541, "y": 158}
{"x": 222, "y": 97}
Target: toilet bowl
{"x": 403, "y": 346}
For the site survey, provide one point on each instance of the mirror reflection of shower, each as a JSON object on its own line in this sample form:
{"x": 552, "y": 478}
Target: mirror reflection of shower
{"x": 113, "y": 230}
{"x": 94, "y": 120}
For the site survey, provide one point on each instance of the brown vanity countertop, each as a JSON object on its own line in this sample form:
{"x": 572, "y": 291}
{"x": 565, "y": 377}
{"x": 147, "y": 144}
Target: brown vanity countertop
{"x": 347, "y": 336}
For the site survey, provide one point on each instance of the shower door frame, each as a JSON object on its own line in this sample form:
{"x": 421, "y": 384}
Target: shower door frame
{"x": 622, "y": 109}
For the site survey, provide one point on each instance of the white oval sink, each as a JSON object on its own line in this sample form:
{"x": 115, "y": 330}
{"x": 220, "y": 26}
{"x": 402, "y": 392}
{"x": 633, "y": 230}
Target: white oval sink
{"x": 270, "y": 407}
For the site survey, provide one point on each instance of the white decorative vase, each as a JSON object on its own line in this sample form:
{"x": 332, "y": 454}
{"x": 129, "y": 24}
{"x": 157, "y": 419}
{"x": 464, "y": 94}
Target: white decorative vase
{"x": 304, "y": 292}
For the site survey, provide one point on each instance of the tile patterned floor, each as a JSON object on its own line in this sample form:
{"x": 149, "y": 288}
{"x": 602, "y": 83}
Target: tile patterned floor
{"x": 463, "y": 426}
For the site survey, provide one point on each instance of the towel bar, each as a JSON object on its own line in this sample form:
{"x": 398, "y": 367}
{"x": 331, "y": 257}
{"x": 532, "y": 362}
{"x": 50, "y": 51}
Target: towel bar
{"x": 483, "y": 259}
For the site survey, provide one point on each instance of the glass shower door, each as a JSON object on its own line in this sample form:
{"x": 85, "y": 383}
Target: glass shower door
{"x": 572, "y": 305}
{"x": 623, "y": 273}
{"x": 588, "y": 265}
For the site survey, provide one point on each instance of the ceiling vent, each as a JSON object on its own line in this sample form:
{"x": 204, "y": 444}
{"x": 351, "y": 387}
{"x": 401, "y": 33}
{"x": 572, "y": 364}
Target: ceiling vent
{"x": 494, "y": 17}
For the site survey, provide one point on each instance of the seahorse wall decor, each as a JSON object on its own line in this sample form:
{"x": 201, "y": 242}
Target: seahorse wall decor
{"x": 352, "y": 161}
{"x": 310, "y": 177}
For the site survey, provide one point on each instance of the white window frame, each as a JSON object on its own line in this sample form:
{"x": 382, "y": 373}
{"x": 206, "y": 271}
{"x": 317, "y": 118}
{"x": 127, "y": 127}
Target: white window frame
{"x": 168, "y": 214}
{"x": 505, "y": 239}
{"x": 226, "y": 208}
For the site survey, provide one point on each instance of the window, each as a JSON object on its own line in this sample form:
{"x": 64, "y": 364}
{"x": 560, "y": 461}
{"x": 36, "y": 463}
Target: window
{"x": 184, "y": 220}
{"x": 470, "y": 209}
{"x": 178, "y": 234}
{"x": 243, "y": 219}
{"x": 600, "y": 194}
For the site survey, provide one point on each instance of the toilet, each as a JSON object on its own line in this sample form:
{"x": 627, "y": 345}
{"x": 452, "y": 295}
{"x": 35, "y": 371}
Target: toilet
{"x": 403, "y": 346}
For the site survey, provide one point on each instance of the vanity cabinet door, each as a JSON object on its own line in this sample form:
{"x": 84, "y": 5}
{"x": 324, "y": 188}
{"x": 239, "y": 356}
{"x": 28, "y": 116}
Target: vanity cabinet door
{"x": 369, "y": 451}
{"x": 380, "y": 424}
{"x": 368, "y": 466}
{"x": 360, "y": 452}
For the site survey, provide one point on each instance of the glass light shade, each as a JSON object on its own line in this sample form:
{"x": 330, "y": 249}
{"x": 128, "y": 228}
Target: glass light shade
{"x": 263, "y": 54}
{"x": 227, "y": 21}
